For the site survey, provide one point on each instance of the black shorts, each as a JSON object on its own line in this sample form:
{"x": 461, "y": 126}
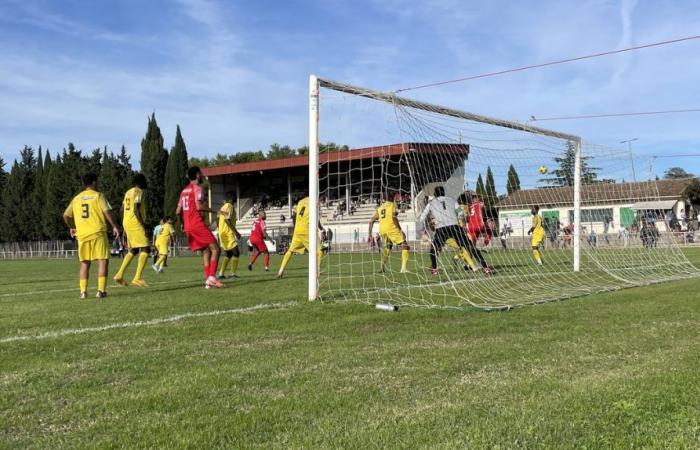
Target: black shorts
{"x": 455, "y": 232}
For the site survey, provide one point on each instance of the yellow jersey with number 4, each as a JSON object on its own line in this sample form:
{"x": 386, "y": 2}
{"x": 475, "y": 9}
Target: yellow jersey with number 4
{"x": 301, "y": 221}
{"x": 87, "y": 210}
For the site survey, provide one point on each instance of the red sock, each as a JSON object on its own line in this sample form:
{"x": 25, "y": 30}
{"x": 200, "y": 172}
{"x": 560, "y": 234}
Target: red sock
{"x": 267, "y": 259}
{"x": 212, "y": 267}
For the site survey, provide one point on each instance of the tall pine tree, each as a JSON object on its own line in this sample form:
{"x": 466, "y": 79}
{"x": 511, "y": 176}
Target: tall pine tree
{"x": 3, "y": 182}
{"x": 154, "y": 158}
{"x": 175, "y": 173}
{"x": 18, "y": 199}
{"x": 480, "y": 189}
{"x": 564, "y": 174}
{"x": 39, "y": 194}
{"x": 513, "y": 180}
{"x": 490, "y": 197}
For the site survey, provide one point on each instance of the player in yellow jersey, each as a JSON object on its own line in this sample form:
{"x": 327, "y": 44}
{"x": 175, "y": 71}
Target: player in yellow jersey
{"x": 133, "y": 217}
{"x": 86, "y": 217}
{"x": 300, "y": 238}
{"x": 166, "y": 233}
{"x": 537, "y": 234}
{"x": 390, "y": 232}
{"x": 229, "y": 236}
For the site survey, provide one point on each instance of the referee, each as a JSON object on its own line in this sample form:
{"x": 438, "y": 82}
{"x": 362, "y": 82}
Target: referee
{"x": 442, "y": 210}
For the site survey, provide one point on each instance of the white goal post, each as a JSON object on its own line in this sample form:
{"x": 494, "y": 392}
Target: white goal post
{"x": 316, "y": 83}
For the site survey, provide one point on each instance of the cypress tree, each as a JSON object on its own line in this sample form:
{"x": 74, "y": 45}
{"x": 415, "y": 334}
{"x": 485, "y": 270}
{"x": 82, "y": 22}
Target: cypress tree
{"x": 491, "y": 197}
{"x": 18, "y": 201}
{"x": 39, "y": 195}
{"x": 513, "y": 181}
{"x": 93, "y": 163}
{"x": 3, "y": 182}
{"x": 175, "y": 173}
{"x": 55, "y": 201}
{"x": 154, "y": 158}
{"x": 480, "y": 190}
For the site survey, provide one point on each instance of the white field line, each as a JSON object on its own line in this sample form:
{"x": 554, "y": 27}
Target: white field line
{"x": 115, "y": 286}
{"x": 145, "y": 323}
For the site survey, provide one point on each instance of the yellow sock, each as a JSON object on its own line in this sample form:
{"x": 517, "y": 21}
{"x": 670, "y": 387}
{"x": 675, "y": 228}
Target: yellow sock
{"x": 222, "y": 267}
{"x": 536, "y": 254}
{"x": 385, "y": 256}
{"x": 285, "y": 260}
{"x": 101, "y": 284}
{"x": 161, "y": 261}
{"x": 234, "y": 264}
{"x": 127, "y": 260}
{"x": 143, "y": 258}
{"x": 83, "y": 285}
{"x": 466, "y": 257}
{"x": 404, "y": 259}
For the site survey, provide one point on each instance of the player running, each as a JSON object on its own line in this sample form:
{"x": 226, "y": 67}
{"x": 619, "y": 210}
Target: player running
{"x": 537, "y": 234}
{"x": 300, "y": 237}
{"x": 229, "y": 236}
{"x": 257, "y": 240}
{"x": 133, "y": 216}
{"x": 390, "y": 233}
{"x": 166, "y": 234}
{"x": 191, "y": 206}
{"x": 86, "y": 217}
{"x": 476, "y": 225}
{"x": 442, "y": 210}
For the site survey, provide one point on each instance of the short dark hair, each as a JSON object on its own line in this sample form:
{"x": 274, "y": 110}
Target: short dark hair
{"x": 192, "y": 173}
{"x": 439, "y": 191}
{"x": 536, "y": 208}
{"x": 166, "y": 218}
{"x": 475, "y": 195}
{"x": 463, "y": 198}
{"x": 140, "y": 181}
{"x": 231, "y": 195}
{"x": 89, "y": 179}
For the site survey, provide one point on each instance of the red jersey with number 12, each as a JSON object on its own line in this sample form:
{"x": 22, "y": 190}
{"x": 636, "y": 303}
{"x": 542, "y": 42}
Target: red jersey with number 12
{"x": 476, "y": 218}
{"x": 188, "y": 202}
{"x": 258, "y": 233}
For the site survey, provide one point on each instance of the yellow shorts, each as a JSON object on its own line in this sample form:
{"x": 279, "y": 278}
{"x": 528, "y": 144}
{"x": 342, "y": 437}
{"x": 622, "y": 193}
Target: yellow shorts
{"x": 394, "y": 236}
{"x": 537, "y": 239}
{"x": 162, "y": 248}
{"x": 227, "y": 241}
{"x": 94, "y": 249}
{"x": 300, "y": 243}
{"x": 136, "y": 237}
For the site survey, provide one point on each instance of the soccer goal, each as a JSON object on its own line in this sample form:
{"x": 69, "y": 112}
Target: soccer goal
{"x": 520, "y": 195}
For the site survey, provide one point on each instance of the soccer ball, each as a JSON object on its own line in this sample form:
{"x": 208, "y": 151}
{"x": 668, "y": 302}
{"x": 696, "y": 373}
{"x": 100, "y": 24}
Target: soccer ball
{"x": 543, "y": 169}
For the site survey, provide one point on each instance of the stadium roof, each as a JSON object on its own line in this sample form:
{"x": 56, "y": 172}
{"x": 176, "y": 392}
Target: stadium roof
{"x": 597, "y": 193}
{"x": 342, "y": 155}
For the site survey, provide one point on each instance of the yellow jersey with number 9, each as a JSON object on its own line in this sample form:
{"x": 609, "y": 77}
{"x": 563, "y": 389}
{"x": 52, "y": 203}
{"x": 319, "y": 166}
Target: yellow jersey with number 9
{"x": 87, "y": 210}
{"x": 386, "y": 213}
{"x": 133, "y": 197}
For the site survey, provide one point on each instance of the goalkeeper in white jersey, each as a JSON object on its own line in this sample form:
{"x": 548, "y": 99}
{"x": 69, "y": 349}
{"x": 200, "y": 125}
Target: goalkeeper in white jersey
{"x": 441, "y": 210}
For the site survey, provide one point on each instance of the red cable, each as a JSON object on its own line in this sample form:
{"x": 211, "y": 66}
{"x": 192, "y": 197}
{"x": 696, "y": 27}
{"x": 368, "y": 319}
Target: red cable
{"x": 552, "y": 63}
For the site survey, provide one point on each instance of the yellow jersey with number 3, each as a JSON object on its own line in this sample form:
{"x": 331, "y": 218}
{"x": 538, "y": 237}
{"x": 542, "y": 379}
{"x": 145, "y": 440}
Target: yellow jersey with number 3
{"x": 301, "y": 221}
{"x": 132, "y": 198}
{"x": 386, "y": 213}
{"x": 87, "y": 210}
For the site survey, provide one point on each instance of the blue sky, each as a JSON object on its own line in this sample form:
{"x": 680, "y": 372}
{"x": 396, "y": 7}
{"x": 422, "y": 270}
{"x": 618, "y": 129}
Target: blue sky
{"x": 234, "y": 75}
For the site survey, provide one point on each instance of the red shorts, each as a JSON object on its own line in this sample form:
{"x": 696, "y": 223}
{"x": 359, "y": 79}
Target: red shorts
{"x": 475, "y": 232}
{"x": 259, "y": 245}
{"x": 199, "y": 238}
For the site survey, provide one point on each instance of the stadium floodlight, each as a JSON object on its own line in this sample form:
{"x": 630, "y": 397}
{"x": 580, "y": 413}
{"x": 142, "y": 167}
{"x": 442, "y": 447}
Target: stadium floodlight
{"x": 405, "y": 148}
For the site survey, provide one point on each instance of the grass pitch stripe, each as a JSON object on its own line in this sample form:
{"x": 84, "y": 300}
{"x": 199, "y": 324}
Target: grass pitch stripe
{"x": 177, "y": 318}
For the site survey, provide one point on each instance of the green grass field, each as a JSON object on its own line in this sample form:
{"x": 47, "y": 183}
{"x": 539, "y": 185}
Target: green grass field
{"x": 257, "y": 366}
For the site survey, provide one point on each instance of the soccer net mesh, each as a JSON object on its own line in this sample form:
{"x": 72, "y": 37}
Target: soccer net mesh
{"x": 376, "y": 147}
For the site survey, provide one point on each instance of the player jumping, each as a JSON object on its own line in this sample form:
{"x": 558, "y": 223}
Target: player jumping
{"x": 133, "y": 216}
{"x": 229, "y": 236}
{"x": 257, "y": 239}
{"x": 537, "y": 233}
{"x": 300, "y": 237}
{"x": 390, "y": 233}
{"x": 86, "y": 217}
{"x": 191, "y": 206}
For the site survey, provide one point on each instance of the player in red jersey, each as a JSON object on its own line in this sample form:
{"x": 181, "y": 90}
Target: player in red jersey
{"x": 191, "y": 206}
{"x": 476, "y": 226}
{"x": 257, "y": 241}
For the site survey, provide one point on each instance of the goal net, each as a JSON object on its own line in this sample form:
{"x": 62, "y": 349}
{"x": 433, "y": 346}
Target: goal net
{"x": 603, "y": 223}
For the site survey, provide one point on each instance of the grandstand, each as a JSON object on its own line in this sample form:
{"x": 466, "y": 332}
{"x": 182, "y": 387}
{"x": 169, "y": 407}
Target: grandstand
{"x": 352, "y": 180}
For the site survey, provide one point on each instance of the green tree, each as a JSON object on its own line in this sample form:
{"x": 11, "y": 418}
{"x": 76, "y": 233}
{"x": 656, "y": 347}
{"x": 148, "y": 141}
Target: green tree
{"x": 691, "y": 193}
{"x": 175, "y": 173}
{"x": 564, "y": 174}
{"x": 490, "y": 194}
{"x": 18, "y": 199}
{"x": 513, "y": 180}
{"x": 3, "y": 183}
{"x": 93, "y": 163}
{"x": 480, "y": 189}
{"x": 39, "y": 195}
{"x": 111, "y": 181}
{"x": 154, "y": 159}
{"x": 674, "y": 173}
{"x": 64, "y": 181}
{"x": 278, "y": 151}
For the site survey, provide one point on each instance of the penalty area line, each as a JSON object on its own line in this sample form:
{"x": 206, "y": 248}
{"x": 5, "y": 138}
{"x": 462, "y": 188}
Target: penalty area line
{"x": 145, "y": 323}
